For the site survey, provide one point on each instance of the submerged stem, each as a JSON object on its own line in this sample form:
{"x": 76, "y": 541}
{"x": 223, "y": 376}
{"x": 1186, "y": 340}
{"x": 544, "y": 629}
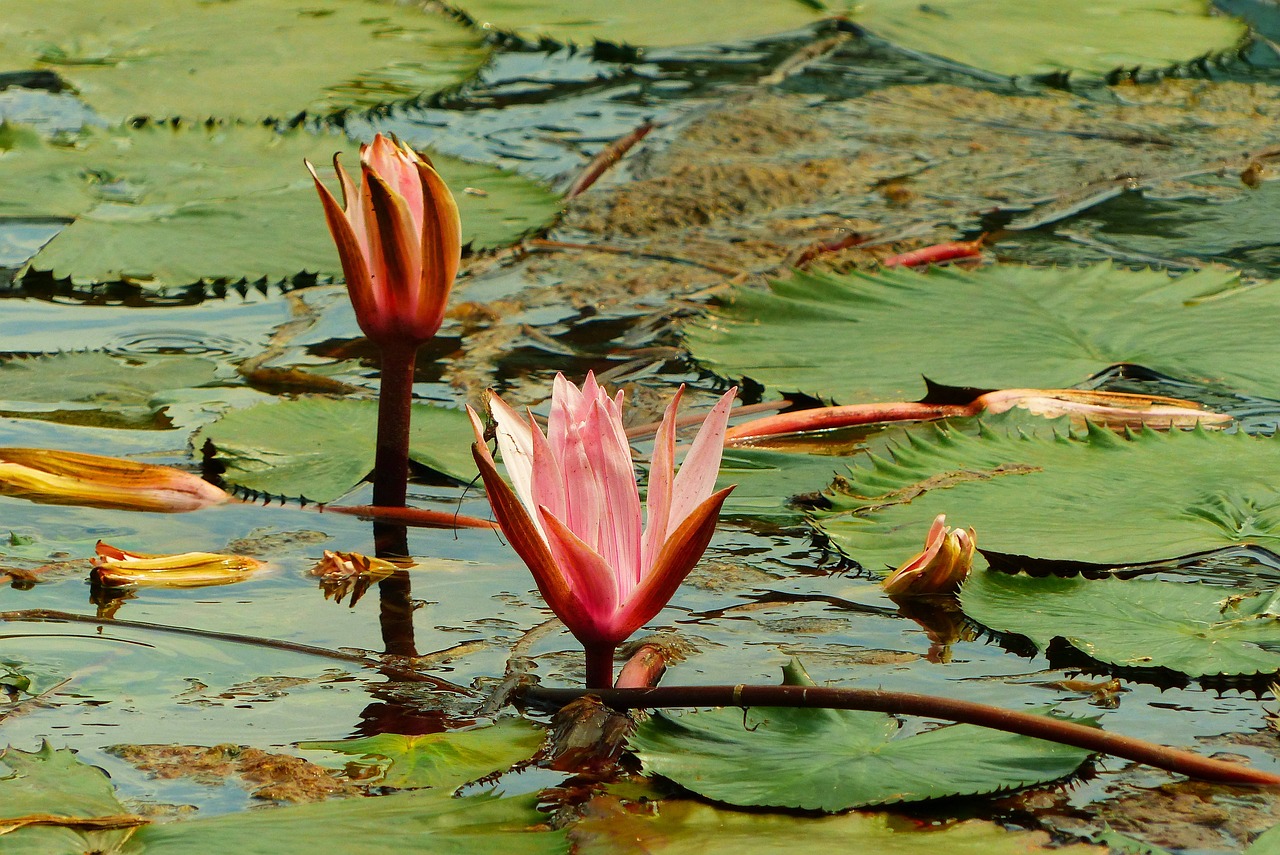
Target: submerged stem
{"x": 908, "y": 703}
{"x": 395, "y": 402}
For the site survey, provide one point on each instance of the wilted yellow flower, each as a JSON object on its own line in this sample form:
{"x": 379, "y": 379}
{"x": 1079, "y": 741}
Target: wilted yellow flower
{"x": 115, "y": 568}
{"x": 945, "y": 562}
{"x": 71, "y": 478}
{"x": 350, "y": 572}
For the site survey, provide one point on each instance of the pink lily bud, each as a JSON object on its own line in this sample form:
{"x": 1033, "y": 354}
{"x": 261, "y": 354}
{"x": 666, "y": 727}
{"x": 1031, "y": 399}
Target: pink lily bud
{"x": 399, "y": 238}
{"x": 70, "y": 478}
{"x": 945, "y": 562}
{"x": 572, "y": 511}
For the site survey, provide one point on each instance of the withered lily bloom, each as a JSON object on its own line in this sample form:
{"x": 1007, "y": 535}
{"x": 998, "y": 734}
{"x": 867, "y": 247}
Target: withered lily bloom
{"x": 350, "y": 572}
{"x": 116, "y": 568}
{"x": 71, "y": 478}
{"x": 572, "y": 511}
{"x": 942, "y": 566}
{"x": 399, "y": 238}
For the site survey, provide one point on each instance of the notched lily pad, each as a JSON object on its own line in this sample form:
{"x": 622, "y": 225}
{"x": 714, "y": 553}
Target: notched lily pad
{"x": 165, "y": 206}
{"x": 248, "y": 59}
{"x": 1195, "y": 629}
{"x": 833, "y": 760}
{"x": 322, "y": 447}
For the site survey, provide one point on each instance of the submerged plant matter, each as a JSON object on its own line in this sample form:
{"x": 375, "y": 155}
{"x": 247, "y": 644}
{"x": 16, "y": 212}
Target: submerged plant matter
{"x": 574, "y": 514}
{"x": 400, "y": 241}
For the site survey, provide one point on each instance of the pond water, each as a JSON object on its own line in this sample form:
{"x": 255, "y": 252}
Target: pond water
{"x": 765, "y": 592}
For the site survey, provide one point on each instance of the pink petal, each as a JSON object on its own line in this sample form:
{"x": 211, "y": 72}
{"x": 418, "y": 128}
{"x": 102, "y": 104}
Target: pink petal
{"x": 547, "y": 479}
{"x": 661, "y": 472}
{"x": 607, "y": 449}
{"x": 395, "y": 252}
{"x": 697, "y": 476}
{"x": 592, "y": 581}
{"x": 583, "y": 494}
{"x": 351, "y": 249}
{"x": 515, "y": 444}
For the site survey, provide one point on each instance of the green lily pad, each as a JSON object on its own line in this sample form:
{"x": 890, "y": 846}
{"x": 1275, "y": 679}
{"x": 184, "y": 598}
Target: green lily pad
{"x": 53, "y": 782}
{"x": 690, "y": 828}
{"x": 998, "y": 327}
{"x": 767, "y": 481}
{"x": 322, "y": 447}
{"x": 650, "y": 23}
{"x": 1150, "y": 496}
{"x": 1042, "y": 36}
{"x": 833, "y": 760}
{"x": 442, "y": 759}
{"x": 161, "y": 206}
{"x": 247, "y": 59}
{"x": 95, "y": 388}
{"x": 1196, "y": 629}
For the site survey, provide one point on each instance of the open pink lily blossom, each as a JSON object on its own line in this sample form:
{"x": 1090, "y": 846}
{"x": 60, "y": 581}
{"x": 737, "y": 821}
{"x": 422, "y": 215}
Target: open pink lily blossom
{"x": 399, "y": 238}
{"x": 572, "y": 511}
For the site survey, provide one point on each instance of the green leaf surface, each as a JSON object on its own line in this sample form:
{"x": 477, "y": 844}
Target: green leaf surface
{"x": 1097, "y": 497}
{"x": 997, "y": 327}
{"x": 52, "y": 781}
{"x": 245, "y": 59}
{"x": 1196, "y": 629}
{"x": 162, "y": 206}
{"x": 690, "y": 828}
{"x": 442, "y": 759}
{"x": 767, "y": 481}
{"x": 322, "y": 447}
{"x": 649, "y": 23}
{"x": 833, "y": 760}
{"x": 423, "y": 821}
{"x": 1016, "y": 37}
{"x": 1268, "y": 843}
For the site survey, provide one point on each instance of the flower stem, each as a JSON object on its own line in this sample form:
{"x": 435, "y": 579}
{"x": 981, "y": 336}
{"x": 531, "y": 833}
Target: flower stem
{"x": 907, "y": 703}
{"x": 395, "y": 401}
{"x": 600, "y": 666}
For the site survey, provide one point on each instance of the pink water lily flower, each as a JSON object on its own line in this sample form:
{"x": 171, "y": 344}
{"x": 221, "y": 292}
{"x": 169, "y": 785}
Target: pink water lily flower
{"x": 399, "y": 238}
{"x": 574, "y": 514}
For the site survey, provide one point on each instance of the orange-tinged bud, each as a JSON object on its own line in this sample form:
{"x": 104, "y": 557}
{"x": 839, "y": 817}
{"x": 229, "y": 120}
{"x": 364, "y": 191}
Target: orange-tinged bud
{"x": 71, "y": 478}
{"x": 115, "y": 568}
{"x": 945, "y": 562}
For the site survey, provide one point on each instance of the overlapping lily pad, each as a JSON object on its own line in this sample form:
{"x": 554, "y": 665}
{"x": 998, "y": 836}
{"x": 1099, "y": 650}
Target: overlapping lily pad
{"x": 1095, "y": 497}
{"x": 164, "y": 206}
{"x": 249, "y": 59}
{"x": 833, "y": 760}
{"x": 1016, "y": 37}
{"x": 1195, "y": 629}
{"x": 322, "y": 447}
{"x": 441, "y": 759}
{"x": 998, "y": 327}
{"x": 646, "y": 23}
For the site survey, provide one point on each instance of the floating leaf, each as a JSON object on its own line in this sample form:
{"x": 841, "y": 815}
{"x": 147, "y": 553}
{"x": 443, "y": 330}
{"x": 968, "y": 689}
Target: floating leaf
{"x": 248, "y": 59}
{"x": 1150, "y": 496}
{"x": 443, "y": 759}
{"x": 768, "y": 480}
{"x": 1036, "y": 37}
{"x": 93, "y": 387}
{"x": 54, "y": 784}
{"x": 689, "y": 828}
{"x": 833, "y": 760}
{"x": 1196, "y": 629}
{"x": 168, "y": 206}
{"x": 322, "y": 447}
{"x": 651, "y": 23}
{"x": 999, "y": 327}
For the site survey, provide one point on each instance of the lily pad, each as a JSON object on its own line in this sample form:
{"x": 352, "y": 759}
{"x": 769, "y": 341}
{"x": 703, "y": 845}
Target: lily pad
{"x": 998, "y": 327}
{"x": 691, "y": 828}
{"x": 163, "y": 206}
{"x": 1196, "y": 629}
{"x": 442, "y": 759}
{"x": 1015, "y": 37}
{"x": 767, "y": 481}
{"x": 94, "y": 387}
{"x": 248, "y": 59}
{"x": 322, "y": 447}
{"x": 833, "y": 760}
{"x": 1151, "y": 496}
{"x": 650, "y": 23}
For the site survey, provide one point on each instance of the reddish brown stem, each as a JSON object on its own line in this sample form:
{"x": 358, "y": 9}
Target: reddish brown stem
{"x": 395, "y": 406}
{"x": 937, "y": 253}
{"x": 907, "y": 703}
{"x": 606, "y": 158}
{"x": 831, "y": 418}
{"x": 648, "y": 429}
{"x": 599, "y": 666}
{"x": 419, "y": 517}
